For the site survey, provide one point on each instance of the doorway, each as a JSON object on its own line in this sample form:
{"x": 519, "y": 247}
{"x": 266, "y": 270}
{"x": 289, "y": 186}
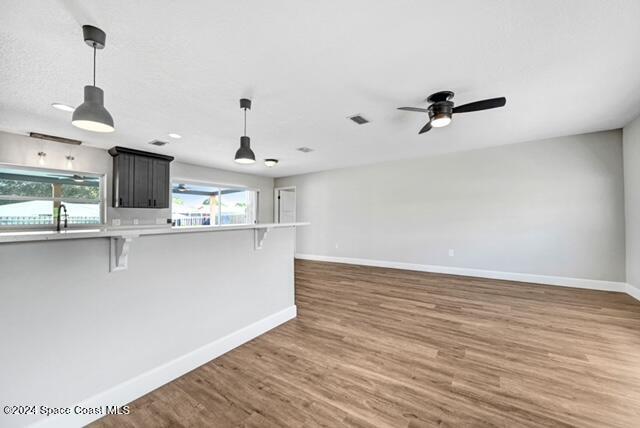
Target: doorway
{"x": 284, "y": 204}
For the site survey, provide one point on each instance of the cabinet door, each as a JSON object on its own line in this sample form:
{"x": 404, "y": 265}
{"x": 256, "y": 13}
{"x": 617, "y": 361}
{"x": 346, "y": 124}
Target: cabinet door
{"x": 123, "y": 181}
{"x": 142, "y": 182}
{"x": 160, "y": 184}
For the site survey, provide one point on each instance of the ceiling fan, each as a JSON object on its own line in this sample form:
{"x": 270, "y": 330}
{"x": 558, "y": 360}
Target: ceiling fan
{"x": 441, "y": 108}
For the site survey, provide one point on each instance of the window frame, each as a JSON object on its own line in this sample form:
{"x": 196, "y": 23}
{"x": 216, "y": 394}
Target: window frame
{"x": 177, "y": 180}
{"x": 102, "y": 200}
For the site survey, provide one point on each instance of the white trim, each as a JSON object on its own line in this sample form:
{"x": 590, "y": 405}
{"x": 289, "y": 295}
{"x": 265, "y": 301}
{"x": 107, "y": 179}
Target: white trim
{"x": 592, "y": 284}
{"x": 146, "y": 382}
{"x": 195, "y": 182}
{"x": 633, "y": 291}
{"x": 51, "y": 170}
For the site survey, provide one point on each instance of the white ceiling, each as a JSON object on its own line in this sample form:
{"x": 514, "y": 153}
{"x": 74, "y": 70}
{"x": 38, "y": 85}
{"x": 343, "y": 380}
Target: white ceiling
{"x": 566, "y": 67}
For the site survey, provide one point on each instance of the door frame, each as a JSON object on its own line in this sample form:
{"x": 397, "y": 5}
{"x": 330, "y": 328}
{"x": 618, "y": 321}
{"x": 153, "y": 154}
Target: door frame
{"x": 276, "y": 203}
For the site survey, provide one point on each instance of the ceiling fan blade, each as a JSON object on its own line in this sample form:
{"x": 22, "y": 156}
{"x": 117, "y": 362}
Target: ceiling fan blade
{"x": 481, "y": 105}
{"x": 420, "y": 110}
{"x": 425, "y": 128}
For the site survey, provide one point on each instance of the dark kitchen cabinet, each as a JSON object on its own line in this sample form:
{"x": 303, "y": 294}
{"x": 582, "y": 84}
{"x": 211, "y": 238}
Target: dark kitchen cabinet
{"x": 160, "y": 183}
{"x": 123, "y": 180}
{"x": 140, "y": 179}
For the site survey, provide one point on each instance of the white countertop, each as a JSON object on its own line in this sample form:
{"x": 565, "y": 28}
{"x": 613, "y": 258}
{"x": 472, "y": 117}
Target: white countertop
{"x": 109, "y": 232}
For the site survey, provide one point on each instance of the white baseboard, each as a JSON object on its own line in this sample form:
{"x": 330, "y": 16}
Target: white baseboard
{"x": 148, "y": 381}
{"x": 633, "y": 291}
{"x": 591, "y": 284}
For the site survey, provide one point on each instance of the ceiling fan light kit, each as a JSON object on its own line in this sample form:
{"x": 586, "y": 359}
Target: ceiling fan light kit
{"x": 91, "y": 115}
{"x": 442, "y": 109}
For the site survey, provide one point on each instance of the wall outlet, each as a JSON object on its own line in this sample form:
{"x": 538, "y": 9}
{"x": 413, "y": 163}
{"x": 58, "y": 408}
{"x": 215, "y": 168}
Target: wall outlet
{"x": 337, "y": 245}
{"x": 115, "y": 222}
{"x": 135, "y": 221}
{"x": 161, "y": 221}
{"x": 452, "y": 253}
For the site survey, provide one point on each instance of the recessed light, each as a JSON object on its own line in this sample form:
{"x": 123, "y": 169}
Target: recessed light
{"x": 62, "y": 107}
{"x": 304, "y": 149}
{"x": 271, "y": 162}
{"x": 174, "y": 135}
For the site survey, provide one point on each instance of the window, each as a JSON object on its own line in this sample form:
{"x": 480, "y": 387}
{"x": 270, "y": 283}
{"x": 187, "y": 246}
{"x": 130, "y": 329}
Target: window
{"x": 32, "y": 197}
{"x": 211, "y": 205}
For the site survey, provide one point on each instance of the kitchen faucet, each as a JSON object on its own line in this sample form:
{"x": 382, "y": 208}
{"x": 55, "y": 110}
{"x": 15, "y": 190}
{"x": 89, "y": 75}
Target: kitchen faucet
{"x": 66, "y": 216}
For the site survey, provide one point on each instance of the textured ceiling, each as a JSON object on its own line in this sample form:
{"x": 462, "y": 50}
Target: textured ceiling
{"x": 566, "y": 67}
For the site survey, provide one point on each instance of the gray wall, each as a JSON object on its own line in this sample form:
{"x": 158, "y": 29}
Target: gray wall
{"x": 70, "y": 329}
{"x": 23, "y": 150}
{"x": 552, "y": 207}
{"x": 631, "y": 139}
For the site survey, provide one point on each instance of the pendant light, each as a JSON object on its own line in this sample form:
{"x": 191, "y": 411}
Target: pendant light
{"x": 91, "y": 115}
{"x": 244, "y": 154}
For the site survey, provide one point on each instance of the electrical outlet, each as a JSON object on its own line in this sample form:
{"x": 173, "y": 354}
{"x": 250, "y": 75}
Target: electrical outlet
{"x": 452, "y": 253}
{"x": 337, "y": 245}
{"x": 115, "y": 222}
{"x": 135, "y": 221}
{"x": 161, "y": 221}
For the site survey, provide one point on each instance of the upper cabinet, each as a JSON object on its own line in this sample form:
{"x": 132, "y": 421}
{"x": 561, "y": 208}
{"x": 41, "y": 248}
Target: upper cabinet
{"x": 140, "y": 179}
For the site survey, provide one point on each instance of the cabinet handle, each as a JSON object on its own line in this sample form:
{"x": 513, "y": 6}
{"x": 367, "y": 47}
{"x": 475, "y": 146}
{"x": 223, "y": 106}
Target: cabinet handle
{"x": 120, "y": 204}
{"x": 154, "y": 202}
{"x": 149, "y": 202}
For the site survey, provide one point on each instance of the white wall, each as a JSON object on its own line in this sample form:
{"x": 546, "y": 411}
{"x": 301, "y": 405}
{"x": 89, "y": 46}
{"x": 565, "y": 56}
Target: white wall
{"x": 70, "y": 329}
{"x": 23, "y": 150}
{"x": 631, "y": 141}
{"x": 552, "y": 207}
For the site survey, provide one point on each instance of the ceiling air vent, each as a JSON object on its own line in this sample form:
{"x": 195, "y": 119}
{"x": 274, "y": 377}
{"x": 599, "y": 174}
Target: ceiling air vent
{"x": 158, "y": 143}
{"x": 359, "y": 119}
{"x": 54, "y": 138}
{"x": 304, "y": 149}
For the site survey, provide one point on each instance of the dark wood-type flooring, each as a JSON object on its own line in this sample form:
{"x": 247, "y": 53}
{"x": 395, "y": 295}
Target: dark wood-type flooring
{"x": 375, "y": 347}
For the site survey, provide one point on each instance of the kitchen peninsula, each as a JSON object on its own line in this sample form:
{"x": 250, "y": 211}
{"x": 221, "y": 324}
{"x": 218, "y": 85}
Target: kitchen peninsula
{"x": 76, "y": 332}
{"x": 100, "y": 314}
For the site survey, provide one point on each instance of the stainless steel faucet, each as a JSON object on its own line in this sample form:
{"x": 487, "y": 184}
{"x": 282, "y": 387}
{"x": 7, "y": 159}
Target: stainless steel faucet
{"x": 66, "y": 216}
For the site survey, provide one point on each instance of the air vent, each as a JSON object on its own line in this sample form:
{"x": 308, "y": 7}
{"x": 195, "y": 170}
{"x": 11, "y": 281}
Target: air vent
{"x": 158, "y": 143}
{"x": 54, "y": 138}
{"x": 359, "y": 119}
{"x": 304, "y": 149}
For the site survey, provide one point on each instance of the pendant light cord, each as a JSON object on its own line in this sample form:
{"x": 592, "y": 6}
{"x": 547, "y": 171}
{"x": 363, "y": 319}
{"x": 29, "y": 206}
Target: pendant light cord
{"x": 94, "y": 65}
{"x": 245, "y": 122}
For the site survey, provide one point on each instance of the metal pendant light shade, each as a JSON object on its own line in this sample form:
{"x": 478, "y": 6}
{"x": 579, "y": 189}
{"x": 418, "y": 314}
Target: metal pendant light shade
{"x": 244, "y": 153}
{"x": 91, "y": 114}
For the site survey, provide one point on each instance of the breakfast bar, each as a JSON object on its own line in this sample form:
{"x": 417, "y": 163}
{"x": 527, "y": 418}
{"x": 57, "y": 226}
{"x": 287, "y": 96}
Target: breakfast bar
{"x": 77, "y": 331}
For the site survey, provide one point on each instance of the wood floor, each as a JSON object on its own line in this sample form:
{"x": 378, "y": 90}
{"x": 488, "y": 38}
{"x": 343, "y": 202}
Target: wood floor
{"x": 375, "y": 347}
